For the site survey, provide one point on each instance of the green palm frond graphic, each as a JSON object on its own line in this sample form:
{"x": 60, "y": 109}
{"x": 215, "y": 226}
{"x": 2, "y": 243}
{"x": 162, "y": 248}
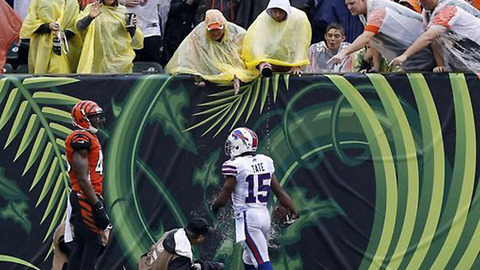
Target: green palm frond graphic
{"x": 229, "y": 108}
{"x": 6, "y": 258}
{"x": 41, "y": 126}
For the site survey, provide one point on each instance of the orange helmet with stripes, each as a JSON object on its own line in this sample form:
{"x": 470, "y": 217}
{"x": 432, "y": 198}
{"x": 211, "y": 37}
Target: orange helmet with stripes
{"x": 81, "y": 113}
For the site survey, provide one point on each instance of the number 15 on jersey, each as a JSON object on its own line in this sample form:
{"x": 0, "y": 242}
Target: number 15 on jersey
{"x": 258, "y": 187}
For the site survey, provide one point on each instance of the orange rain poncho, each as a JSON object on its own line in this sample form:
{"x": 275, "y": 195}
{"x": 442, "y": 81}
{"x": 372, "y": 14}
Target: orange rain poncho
{"x": 214, "y": 61}
{"x": 108, "y": 47}
{"x": 10, "y": 24}
{"x": 279, "y": 43}
{"x": 41, "y": 58}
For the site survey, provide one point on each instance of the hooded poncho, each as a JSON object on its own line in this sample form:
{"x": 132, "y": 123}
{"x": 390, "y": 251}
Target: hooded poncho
{"x": 41, "y": 58}
{"x": 282, "y": 43}
{"x": 108, "y": 47}
{"x": 215, "y": 61}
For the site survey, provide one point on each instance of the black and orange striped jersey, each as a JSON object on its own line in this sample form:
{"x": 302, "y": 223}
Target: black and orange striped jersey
{"x": 83, "y": 139}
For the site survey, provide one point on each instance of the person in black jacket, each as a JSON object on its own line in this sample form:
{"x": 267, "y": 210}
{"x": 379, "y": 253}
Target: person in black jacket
{"x": 181, "y": 20}
{"x": 173, "y": 251}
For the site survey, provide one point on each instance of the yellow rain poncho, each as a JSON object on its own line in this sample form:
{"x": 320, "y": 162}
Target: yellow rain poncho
{"x": 214, "y": 61}
{"x": 107, "y": 45}
{"x": 41, "y": 58}
{"x": 280, "y": 43}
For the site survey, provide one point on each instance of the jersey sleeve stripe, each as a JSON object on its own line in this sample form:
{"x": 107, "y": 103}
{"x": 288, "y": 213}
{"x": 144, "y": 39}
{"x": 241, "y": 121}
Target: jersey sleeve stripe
{"x": 229, "y": 166}
{"x": 85, "y": 205}
{"x": 92, "y": 227}
{"x": 229, "y": 171}
{"x": 86, "y": 215}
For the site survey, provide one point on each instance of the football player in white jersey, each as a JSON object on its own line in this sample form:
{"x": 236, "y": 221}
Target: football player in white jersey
{"x": 249, "y": 177}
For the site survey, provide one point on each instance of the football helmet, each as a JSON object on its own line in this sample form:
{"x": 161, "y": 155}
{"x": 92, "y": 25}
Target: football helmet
{"x": 81, "y": 113}
{"x": 241, "y": 140}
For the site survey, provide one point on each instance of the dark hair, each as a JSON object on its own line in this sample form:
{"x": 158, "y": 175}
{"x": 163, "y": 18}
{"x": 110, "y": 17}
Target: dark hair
{"x": 198, "y": 226}
{"x": 337, "y": 26}
{"x": 269, "y": 12}
{"x": 114, "y": 3}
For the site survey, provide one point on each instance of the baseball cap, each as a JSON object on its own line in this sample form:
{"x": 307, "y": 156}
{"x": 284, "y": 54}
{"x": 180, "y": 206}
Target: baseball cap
{"x": 199, "y": 226}
{"x": 215, "y": 25}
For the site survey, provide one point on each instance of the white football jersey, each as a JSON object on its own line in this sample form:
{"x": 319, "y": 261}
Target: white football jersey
{"x": 253, "y": 175}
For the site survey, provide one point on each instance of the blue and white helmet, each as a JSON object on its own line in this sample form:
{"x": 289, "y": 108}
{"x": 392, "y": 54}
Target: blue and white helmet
{"x": 241, "y": 140}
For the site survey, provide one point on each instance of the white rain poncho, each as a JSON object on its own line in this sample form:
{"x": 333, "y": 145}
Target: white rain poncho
{"x": 214, "y": 61}
{"x": 460, "y": 40}
{"x": 319, "y": 54}
{"x": 108, "y": 47}
{"x": 396, "y": 28}
{"x": 279, "y": 43}
{"x": 458, "y": 3}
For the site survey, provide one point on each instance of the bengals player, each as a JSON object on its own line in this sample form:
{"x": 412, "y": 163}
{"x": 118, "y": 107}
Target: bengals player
{"x": 85, "y": 159}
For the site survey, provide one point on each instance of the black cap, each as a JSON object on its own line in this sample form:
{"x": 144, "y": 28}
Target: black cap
{"x": 199, "y": 226}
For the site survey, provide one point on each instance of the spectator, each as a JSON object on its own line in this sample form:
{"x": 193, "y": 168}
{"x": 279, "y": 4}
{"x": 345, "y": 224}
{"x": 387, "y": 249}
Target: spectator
{"x": 179, "y": 24}
{"x": 465, "y": 5}
{"x": 128, "y": 3}
{"x": 456, "y": 31}
{"x": 10, "y": 24}
{"x": 390, "y": 29}
{"x": 278, "y": 40}
{"x": 213, "y": 51}
{"x": 173, "y": 251}
{"x": 248, "y": 10}
{"x": 320, "y": 53}
{"x": 149, "y": 16}
{"x": 304, "y": 5}
{"x": 47, "y": 20}
{"x": 109, "y": 42}
{"x": 327, "y": 12}
{"x": 227, "y": 7}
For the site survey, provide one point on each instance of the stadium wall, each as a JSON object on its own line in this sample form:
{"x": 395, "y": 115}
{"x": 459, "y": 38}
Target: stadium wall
{"x": 381, "y": 167}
